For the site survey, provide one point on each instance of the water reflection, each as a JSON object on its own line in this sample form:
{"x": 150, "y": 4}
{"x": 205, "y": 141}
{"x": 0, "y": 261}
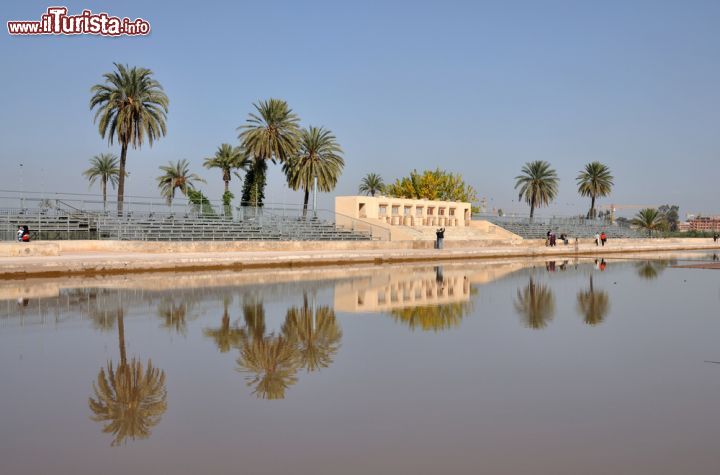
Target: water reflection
{"x": 651, "y": 269}
{"x": 130, "y": 398}
{"x": 535, "y": 303}
{"x": 174, "y": 314}
{"x": 315, "y": 333}
{"x": 593, "y": 304}
{"x": 225, "y": 336}
{"x": 309, "y": 339}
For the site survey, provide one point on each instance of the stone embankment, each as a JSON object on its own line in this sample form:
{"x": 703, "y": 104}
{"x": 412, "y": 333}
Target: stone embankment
{"x": 61, "y": 258}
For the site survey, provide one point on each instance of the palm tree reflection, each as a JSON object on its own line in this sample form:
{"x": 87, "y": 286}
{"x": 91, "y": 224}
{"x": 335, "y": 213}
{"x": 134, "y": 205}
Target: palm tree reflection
{"x": 131, "y": 398}
{"x": 225, "y": 336}
{"x": 433, "y": 317}
{"x": 593, "y": 304}
{"x": 309, "y": 338}
{"x": 174, "y": 315}
{"x": 535, "y": 304}
{"x": 651, "y": 269}
{"x": 315, "y": 332}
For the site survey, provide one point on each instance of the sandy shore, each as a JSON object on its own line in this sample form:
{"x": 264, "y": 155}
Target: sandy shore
{"x": 161, "y": 258}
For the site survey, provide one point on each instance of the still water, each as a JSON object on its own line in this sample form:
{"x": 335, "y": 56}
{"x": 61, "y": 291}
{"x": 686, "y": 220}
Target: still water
{"x": 503, "y": 367}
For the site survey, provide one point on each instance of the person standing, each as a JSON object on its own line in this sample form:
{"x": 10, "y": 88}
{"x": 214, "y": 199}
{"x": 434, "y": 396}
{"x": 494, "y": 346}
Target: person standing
{"x": 597, "y": 239}
{"x": 440, "y": 235}
{"x": 20, "y": 233}
{"x": 603, "y": 238}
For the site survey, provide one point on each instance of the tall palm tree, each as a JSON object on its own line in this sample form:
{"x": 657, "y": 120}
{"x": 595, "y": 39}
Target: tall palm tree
{"x": 103, "y": 167}
{"x": 316, "y": 334}
{"x": 594, "y": 181}
{"x": 538, "y": 184}
{"x": 536, "y": 304}
{"x": 319, "y": 156}
{"x": 271, "y": 134}
{"x": 177, "y": 176}
{"x": 130, "y": 398}
{"x": 225, "y": 337}
{"x": 371, "y": 184}
{"x": 593, "y": 304}
{"x": 131, "y": 108}
{"x": 649, "y": 219}
{"x": 228, "y": 158}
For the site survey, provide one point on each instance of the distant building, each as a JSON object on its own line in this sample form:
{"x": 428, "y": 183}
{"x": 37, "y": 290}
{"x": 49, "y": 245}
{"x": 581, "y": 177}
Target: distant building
{"x": 700, "y": 223}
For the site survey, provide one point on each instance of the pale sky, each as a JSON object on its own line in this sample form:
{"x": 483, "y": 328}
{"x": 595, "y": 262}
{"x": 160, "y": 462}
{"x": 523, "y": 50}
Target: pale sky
{"x": 476, "y": 87}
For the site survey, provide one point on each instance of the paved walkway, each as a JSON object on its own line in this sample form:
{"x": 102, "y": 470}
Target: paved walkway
{"x": 108, "y": 262}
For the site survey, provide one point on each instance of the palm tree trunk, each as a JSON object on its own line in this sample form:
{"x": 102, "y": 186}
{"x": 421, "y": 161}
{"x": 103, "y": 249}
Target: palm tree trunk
{"x": 227, "y": 184}
{"x": 532, "y": 206}
{"x": 121, "y": 338}
{"x": 121, "y": 179}
{"x": 592, "y": 207}
{"x": 104, "y": 188}
{"x": 305, "y": 202}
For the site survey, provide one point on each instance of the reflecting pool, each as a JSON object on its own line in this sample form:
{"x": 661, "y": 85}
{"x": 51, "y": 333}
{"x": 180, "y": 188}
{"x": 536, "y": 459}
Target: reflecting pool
{"x": 503, "y": 367}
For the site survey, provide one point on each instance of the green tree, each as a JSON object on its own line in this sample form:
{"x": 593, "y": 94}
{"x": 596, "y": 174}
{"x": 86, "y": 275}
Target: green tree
{"x": 594, "y": 181}
{"x": 273, "y": 133}
{"x": 103, "y": 167}
{"x": 536, "y": 304}
{"x": 201, "y": 203}
{"x": 671, "y": 216}
{"x": 131, "y": 108}
{"x": 593, "y": 304}
{"x": 228, "y": 158}
{"x": 319, "y": 156}
{"x": 371, "y": 184}
{"x": 177, "y": 176}
{"x": 432, "y": 185}
{"x": 649, "y": 219}
{"x": 538, "y": 184}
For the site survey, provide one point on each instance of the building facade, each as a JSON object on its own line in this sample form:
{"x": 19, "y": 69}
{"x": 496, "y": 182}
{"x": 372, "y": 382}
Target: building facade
{"x": 404, "y": 212}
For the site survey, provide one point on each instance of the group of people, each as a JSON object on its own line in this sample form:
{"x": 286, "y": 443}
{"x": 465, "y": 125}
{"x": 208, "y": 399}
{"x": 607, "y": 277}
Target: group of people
{"x": 23, "y": 234}
{"x": 600, "y": 239}
{"x": 551, "y": 239}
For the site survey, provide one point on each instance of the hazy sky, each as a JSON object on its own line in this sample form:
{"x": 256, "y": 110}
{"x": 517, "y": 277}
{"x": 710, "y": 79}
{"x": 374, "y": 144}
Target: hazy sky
{"x": 477, "y": 87}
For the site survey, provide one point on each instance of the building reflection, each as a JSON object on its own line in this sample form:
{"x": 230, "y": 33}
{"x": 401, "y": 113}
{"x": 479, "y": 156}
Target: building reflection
{"x": 129, "y": 397}
{"x": 592, "y": 304}
{"x": 535, "y": 303}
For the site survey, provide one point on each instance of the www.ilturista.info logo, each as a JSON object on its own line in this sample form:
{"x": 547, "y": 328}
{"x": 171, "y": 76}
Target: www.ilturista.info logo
{"x": 57, "y": 22}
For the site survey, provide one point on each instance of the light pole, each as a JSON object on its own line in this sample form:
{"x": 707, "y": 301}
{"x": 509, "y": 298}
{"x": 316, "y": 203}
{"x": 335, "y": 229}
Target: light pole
{"x": 22, "y": 189}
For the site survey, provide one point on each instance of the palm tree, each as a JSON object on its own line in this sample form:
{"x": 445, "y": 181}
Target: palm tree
{"x": 225, "y": 337}
{"x": 371, "y": 184}
{"x": 103, "y": 167}
{"x": 319, "y": 157}
{"x": 538, "y": 184}
{"x": 593, "y": 305}
{"x": 177, "y": 176}
{"x": 131, "y": 108}
{"x": 316, "y": 334}
{"x": 228, "y": 158}
{"x": 536, "y": 304}
{"x": 594, "y": 181}
{"x": 649, "y": 219}
{"x": 271, "y": 134}
{"x": 130, "y": 398}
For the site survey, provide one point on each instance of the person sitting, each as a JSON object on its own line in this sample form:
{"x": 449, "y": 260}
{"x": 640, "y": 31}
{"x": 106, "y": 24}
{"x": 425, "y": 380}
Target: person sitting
{"x": 26, "y": 234}
{"x": 20, "y": 233}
